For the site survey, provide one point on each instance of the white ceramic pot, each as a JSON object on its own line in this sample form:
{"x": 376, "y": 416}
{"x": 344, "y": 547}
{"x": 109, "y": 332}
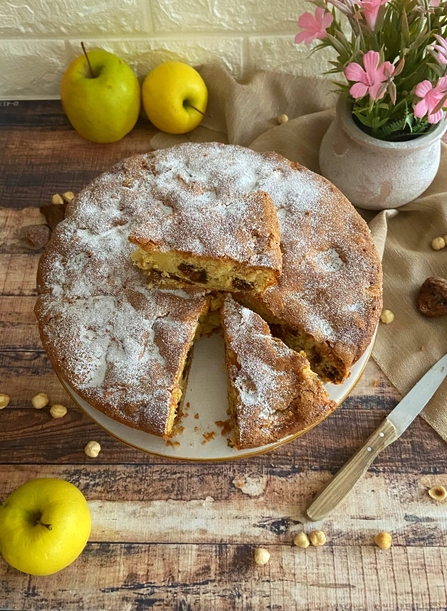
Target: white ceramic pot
{"x": 375, "y": 174}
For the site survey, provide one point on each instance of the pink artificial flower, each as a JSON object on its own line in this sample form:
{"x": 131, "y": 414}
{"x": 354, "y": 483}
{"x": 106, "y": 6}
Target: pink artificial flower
{"x": 431, "y": 97}
{"x": 313, "y": 26}
{"x": 441, "y": 49}
{"x": 371, "y": 79}
{"x": 370, "y": 9}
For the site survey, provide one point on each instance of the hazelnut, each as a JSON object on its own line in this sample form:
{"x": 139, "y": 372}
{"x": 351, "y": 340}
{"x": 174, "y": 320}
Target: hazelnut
{"x": 58, "y": 411}
{"x": 438, "y": 243}
{"x": 301, "y": 540}
{"x": 383, "y": 540}
{"x": 40, "y": 400}
{"x": 282, "y": 119}
{"x": 4, "y": 400}
{"x": 386, "y": 317}
{"x": 92, "y": 449}
{"x": 439, "y": 493}
{"x": 68, "y": 196}
{"x": 57, "y": 200}
{"x": 317, "y": 537}
{"x": 261, "y": 556}
{"x": 432, "y": 298}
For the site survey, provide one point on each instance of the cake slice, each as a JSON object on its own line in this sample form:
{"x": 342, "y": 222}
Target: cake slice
{"x": 217, "y": 243}
{"x": 126, "y": 355}
{"x": 272, "y": 391}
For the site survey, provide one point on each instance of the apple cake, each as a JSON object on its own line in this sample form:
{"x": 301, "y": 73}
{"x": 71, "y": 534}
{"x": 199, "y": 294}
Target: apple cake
{"x": 221, "y": 243}
{"x": 272, "y": 392}
{"x": 123, "y": 346}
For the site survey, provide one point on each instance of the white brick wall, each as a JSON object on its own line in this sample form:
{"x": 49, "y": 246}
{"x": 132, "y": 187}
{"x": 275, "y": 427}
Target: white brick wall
{"x": 38, "y": 38}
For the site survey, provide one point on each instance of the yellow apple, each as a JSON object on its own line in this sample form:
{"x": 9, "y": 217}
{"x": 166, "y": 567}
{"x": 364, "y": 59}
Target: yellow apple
{"x": 174, "y": 97}
{"x": 44, "y": 526}
{"x": 101, "y": 96}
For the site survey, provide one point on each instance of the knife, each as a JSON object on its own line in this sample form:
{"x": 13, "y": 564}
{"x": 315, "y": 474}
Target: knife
{"x": 391, "y": 429}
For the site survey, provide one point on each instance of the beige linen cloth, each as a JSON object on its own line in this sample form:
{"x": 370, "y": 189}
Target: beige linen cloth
{"x": 246, "y": 113}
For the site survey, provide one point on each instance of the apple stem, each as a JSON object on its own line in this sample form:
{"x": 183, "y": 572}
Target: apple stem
{"x": 46, "y": 525}
{"x": 88, "y": 61}
{"x": 202, "y": 113}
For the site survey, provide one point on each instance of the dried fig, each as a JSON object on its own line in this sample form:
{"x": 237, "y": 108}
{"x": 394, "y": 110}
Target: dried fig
{"x": 432, "y": 298}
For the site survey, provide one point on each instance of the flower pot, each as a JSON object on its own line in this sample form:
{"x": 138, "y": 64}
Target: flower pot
{"x": 375, "y": 174}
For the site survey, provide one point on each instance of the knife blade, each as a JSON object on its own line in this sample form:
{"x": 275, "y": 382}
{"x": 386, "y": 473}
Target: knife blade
{"x": 397, "y": 421}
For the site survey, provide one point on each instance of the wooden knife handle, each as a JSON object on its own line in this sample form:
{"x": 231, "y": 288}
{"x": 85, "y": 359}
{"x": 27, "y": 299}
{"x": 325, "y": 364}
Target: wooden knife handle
{"x": 352, "y": 471}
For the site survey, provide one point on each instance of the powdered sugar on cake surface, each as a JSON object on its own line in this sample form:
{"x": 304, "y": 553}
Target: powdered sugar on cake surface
{"x": 111, "y": 336}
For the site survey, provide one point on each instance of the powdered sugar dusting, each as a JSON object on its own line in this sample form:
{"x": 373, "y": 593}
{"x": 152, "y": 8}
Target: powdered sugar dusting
{"x": 329, "y": 261}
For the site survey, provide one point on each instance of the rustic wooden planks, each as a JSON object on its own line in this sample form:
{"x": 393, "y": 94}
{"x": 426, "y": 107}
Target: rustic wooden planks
{"x": 180, "y": 536}
{"x": 222, "y": 577}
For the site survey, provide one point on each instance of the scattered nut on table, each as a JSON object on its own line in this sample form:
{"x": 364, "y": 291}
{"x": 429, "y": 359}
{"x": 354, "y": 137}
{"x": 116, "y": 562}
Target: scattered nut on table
{"x": 439, "y": 493}
{"x": 261, "y": 556}
{"x": 387, "y": 316}
{"x": 317, "y": 538}
{"x": 41, "y": 400}
{"x": 68, "y": 196}
{"x": 57, "y": 199}
{"x": 4, "y": 400}
{"x": 92, "y": 449}
{"x": 438, "y": 243}
{"x": 432, "y": 298}
{"x": 301, "y": 540}
{"x": 383, "y": 540}
{"x": 58, "y": 411}
{"x": 282, "y": 119}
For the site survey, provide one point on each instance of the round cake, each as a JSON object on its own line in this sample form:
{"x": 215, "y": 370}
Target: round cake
{"x": 123, "y": 345}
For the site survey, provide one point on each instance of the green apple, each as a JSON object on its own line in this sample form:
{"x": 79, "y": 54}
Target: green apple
{"x": 44, "y": 526}
{"x": 101, "y": 96}
{"x": 174, "y": 97}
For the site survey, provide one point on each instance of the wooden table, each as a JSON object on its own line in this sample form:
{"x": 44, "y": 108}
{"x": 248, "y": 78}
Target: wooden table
{"x": 180, "y": 536}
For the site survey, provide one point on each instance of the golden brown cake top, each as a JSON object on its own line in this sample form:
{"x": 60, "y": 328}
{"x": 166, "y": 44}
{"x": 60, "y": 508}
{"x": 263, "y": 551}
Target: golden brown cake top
{"x": 275, "y": 393}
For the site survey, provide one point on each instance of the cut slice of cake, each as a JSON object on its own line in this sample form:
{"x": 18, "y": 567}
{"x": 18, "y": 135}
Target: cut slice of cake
{"x": 272, "y": 391}
{"x": 126, "y": 355}
{"x": 217, "y": 243}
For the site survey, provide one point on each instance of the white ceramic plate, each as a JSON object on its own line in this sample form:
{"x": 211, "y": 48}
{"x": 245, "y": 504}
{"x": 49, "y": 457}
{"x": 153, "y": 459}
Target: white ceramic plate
{"x": 205, "y": 404}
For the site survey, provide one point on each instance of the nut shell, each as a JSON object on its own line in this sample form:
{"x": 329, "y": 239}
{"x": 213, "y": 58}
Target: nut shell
{"x": 432, "y": 298}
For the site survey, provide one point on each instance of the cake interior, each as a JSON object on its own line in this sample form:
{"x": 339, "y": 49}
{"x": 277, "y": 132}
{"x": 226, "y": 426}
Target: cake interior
{"x": 178, "y": 269}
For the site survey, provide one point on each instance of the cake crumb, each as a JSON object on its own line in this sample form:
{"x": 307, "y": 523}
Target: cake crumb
{"x": 224, "y": 425}
{"x": 208, "y": 437}
{"x": 173, "y": 444}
